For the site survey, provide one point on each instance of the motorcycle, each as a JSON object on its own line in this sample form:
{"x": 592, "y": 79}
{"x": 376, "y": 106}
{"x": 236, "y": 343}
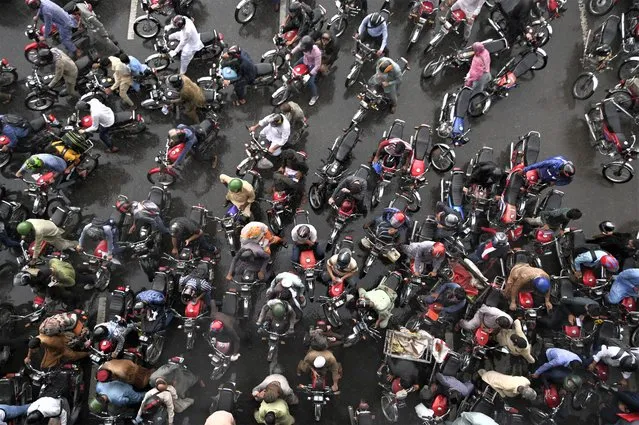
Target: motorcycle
{"x": 12, "y": 212}
{"x": 33, "y": 33}
{"x": 65, "y": 216}
{"x": 99, "y": 264}
{"x": 213, "y": 46}
{"x": 127, "y": 123}
{"x": 452, "y": 191}
{"x": 452, "y": 116}
{"x": 204, "y": 150}
{"x": 333, "y": 168}
{"x": 293, "y": 80}
{"x": 365, "y": 318}
{"x": 8, "y": 73}
{"x": 148, "y": 26}
{"x": 220, "y": 359}
{"x": 226, "y": 397}
{"x": 506, "y": 79}
{"x": 232, "y": 301}
{"x": 274, "y": 332}
{"x": 387, "y": 167}
{"x": 345, "y": 9}
{"x": 629, "y": 29}
{"x": 422, "y": 13}
{"x": 373, "y": 99}
{"x": 598, "y": 56}
{"x": 605, "y": 129}
{"x": 308, "y": 265}
{"x": 476, "y": 349}
{"x": 361, "y": 415}
{"x": 336, "y": 293}
{"x": 104, "y": 351}
{"x": 282, "y": 42}
{"x": 511, "y": 207}
{"x": 450, "y": 23}
{"x": 195, "y": 309}
{"x": 48, "y": 383}
{"x": 40, "y": 96}
{"x": 318, "y": 392}
{"x": 280, "y": 207}
{"x": 256, "y": 151}
{"x": 462, "y": 58}
{"x": 43, "y": 130}
{"x": 120, "y": 304}
{"x": 347, "y": 210}
{"x": 364, "y": 54}
{"x": 539, "y": 30}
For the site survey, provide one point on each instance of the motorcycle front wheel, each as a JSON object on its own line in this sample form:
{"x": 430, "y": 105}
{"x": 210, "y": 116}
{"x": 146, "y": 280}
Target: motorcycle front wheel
{"x": 429, "y": 70}
{"x": 275, "y": 223}
{"x": 389, "y": 408}
{"x": 245, "y": 166}
{"x": 542, "y": 33}
{"x": 245, "y": 12}
{"x": 39, "y": 102}
{"x": 147, "y": 27}
{"x": 280, "y": 96}
{"x": 332, "y": 316}
{"x": 158, "y": 62}
{"x": 316, "y": 197}
{"x": 339, "y": 26}
{"x": 617, "y": 172}
{"x": 584, "y": 86}
{"x": 7, "y": 78}
{"x": 600, "y": 7}
{"x": 161, "y": 178}
{"x": 351, "y": 78}
{"x": 628, "y": 69}
{"x": 442, "y": 158}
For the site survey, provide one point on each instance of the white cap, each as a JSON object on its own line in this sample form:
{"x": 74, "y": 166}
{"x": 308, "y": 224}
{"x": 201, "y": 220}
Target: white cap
{"x": 319, "y": 362}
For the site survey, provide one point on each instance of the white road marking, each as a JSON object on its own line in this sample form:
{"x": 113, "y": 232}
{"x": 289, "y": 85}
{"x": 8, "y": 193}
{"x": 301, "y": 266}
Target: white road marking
{"x": 132, "y": 15}
{"x": 583, "y": 20}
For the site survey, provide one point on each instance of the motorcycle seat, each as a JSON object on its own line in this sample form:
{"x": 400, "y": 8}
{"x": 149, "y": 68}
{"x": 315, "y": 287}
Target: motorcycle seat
{"x": 533, "y": 146}
{"x": 495, "y": 46}
{"x": 203, "y": 129}
{"x": 610, "y": 29}
{"x": 207, "y": 37}
{"x": 156, "y": 195}
{"x": 451, "y": 365}
{"x": 116, "y": 305}
{"x": 396, "y": 130}
{"x": 553, "y": 201}
{"x": 197, "y": 214}
{"x": 486, "y": 155}
{"x": 422, "y": 142}
{"x": 525, "y": 63}
{"x": 462, "y": 102}
{"x": 613, "y": 119}
{"x": 226, "y": 400}
{"x": 229, "y": 303}
{"x": 264, "y": 69}
{"x": 517, "y": 181}
{"x": 427, "y": 231}
{"x": 457, "y": 188}
{"x": 123, "y": 117}
{"x": 37, "y": 124}
{"x": 346, "y": 146}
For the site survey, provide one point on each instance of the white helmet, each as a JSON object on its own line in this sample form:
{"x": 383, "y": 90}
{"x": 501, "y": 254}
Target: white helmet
{"x": 319, "y": 362}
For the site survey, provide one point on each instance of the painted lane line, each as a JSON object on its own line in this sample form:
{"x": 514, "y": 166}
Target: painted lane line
{"x": 132, "y": 15}
{"x": 583, "y": 20}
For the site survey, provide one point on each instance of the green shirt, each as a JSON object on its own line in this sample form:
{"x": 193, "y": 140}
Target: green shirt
{"x": 63, "y": 272}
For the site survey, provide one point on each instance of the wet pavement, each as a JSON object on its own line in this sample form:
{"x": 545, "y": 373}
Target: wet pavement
{"x": 543, "y": 102}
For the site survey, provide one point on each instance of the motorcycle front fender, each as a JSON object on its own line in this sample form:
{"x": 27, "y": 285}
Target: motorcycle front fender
{"x": 333, "y": 19}
{"x": 242, "y": 3}
{"x": 418, "y": 197}
{"x": 544, "y": 54}
{"x": 538, "y": 22}
{"x": 31, "y": 46}
{"x": 269, "y": 53}
{"x": 156, "y": 170}
{"x": 631, "y": 58}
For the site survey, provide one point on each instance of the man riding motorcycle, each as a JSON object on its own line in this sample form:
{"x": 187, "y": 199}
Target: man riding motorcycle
{"x": 189, "y": 41}
{"x": 14, "y": 128}
{"x": 240, "y": 193}
{"x": 182, "y": 134}
{"x": 392, "y": 153}
{"x": 289, "y": 177}
{"x": 526, "y": 278}
{"x": 620, "y": 245}
{"x": 197, "y": 280}
{"x": 258, "y": 232}
{"x": 52, "y": 14}
{"x": 321, "y": 361}
{"x": 42, "y": 163}
{"x": 223, "y": 333}
{"x": 44, "y": 231}
{"x": 625, "y": 284}
{"x": 251, "y": 257}
{"x": 390, "y": 227}
{"x": 186, "y": 232}
{"x": 276, "y": 131}
{"x": 340, "y": 267}
{"x": 116, "y": 330}
{"x": 245, "y": 70}
{"x": 426, "y": 254}
{"x": 276, "y": 310}
{"x": 191, "y": 95}
{"x": 300, "y": 18}
{"x": 145, "y": 212}
{"x": 304, "y": 237}
{"x": 115, "y": 398}
{"x": 374, "y": 29}
{"x": 99, "y": 230}
{"x": 471, "y": 9}
{"x": 556, "y": 170}
{"x": 353, "y": 187}
{"x": 452, "y": 298}
{"x": 388, "y": 75}
{"x": 593, "y": 259}
{"x": 381, "y": 299}
{"x": 312, "y": 58}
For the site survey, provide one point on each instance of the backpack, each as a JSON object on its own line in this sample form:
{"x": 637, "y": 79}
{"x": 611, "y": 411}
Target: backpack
{"x": 77, "y": 142}
{"x": 59, "y": 323}
{"x": 65, "y": 152}
{"x": 15, "y": 121}
{"x": 151, "y": 297}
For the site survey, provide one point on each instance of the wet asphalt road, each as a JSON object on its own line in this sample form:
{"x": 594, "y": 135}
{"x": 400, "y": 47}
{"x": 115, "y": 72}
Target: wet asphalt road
{"x": 541, "y": 103}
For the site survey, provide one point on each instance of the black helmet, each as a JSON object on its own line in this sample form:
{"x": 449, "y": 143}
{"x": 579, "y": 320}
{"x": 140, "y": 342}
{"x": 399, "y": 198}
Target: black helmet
{"x": 176, "y": 228}
{"x": 175, "y": 81}
{"x": 45, "y": 56}
{"x": 385, "y": 66}
{"x": 100, "y": 332}
{"x": 376, "y": 20}
{"x": 500, "y": 239}
{"x": 306, "y": 43}
{"x": 234, "y": 51}
{"x": 303, "y": 232}
{"x": 355, "y": 186}
{"x": 178, "y": 21}
{"x": 139, "y": 307}
{"x": 344, "y": 257}
{"x": 81, "y": 105}
{"x": 95, "y": 232}
{"x": 607, "y": 226}
{"x": 568, "y": 169}
{"x": 294, "y": 8}
{"x": 21, "y": 279}
{"x": 628, "y": 363}
{"x": 35, "y": 417}
{"x": 276, "y": 120}
{"x": 398, "y": 147}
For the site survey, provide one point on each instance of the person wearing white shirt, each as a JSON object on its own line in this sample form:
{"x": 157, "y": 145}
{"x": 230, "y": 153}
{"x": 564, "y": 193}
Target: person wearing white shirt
{"x": 276, "y": 130}
{"x": 190, "y": 42}
{"x": 627, "y": 360}
{"x": 48, "y": 408}
{"x": 471, "y": 8}
{"x": 102, "y": 118}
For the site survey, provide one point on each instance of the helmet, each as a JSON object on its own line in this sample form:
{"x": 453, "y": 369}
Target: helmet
{"x": 451, "y": 220}
{"x": 81, "y": 105}
{"x": 303, "y": 232}
{"x": 500, "y": 239}
{"x": 572, "y": 382}
{"x": 178, "y": 21}
{"x": 175, "y": 80}
{"x": 376, "y": 20}
{"x": 34, "y": 163}
{"x": 176, "y": 135}
{"x": 344, "y": 257}
{"x": 235, "y": 185}
{"x": 629, "y": 363}
{"x": 24, "y": 228}
{"x": 278, "y": 310}
{"x": 234, "y": 51}
{"x": 176, "y": 228}
{"x": 33, "y": 4}
{"x": 122, "y": 204}
{"x": 541, "y": 284}
{"x": 139, "y": 307}
{"x": 21, "y": 279}
{"x": 607, "y": 226}
{"x": 385, "y": 66}
{"x": 603, "y": 50}
{"x": 306, "y": 43}
{"x": 95, "y": 405}
{"x": 95, "y": 232}
{"x": 100, "y": 332}
{"x": 216, "y": 327}
{"x": 103, "y": 375}
{"x": 438, "y": 250}
{"x": 45, "y": 56}
{"x": 35, "y": 417}
{"x": 397, "y": 219}
{"x": 319, "y": 362}
{"x": 610, "y": 263}
{"x": 568, "y": 169}
{"x": 294, "y": 8}
{"x": 276, "y": 120}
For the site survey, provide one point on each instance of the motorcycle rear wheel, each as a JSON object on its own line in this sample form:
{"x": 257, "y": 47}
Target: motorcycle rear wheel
{"x": 161, "y": 178}
{"x": 389, "y": 408}
{"x": 429, "y": 69}
{"x": 39, "y": 102}
{"x": 246, "y": 13}
{"x": 622, "y": 98}
{"x": 442, "y": 158}
{"x": 584, "y": 86}
{"x": 617, "y": 172}
{"x": 600, "y": 7}
{"x": 628, "y": 69}
{"x": 275, "y": 223}
{"x": 8, "y": 78}
{"x": 479, "y": 104}
{"x": 159, "y": 62}
{"x": 147, "y": 28}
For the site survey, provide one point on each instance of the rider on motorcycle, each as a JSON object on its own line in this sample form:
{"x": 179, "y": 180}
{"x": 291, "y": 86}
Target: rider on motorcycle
{"x": 526, "y": 278}
{"x": 353, "y": 187}
{"x": 621, "y": 245}
{"x": 115, "y": 398}
{"x": 390, "y": 227}
{"x": 488, "y": 318}
{"x": 275, "y": 133}
{"x": 625, "y": 284}
{"x": 593, "y": 259}
{"x": 251, "y": 257}
{"x": 55, "y": 279}
{"x": 14, "y": 128}
{"x": 240, "y": 193}
{"x": 560, "y": 364}
{"x": 116, "y": 330}
{"x": 287, "y": 281}
{"x": 53, "y": 14}
{"x": 479, "y": 74}
{"x": 197, "y": 280}
{"x": 191, "y": 95}
{"x": 427, "y": 253}
{"x": 557, "y": 170}
{"x": 189, "y": 41}
{"x": 321, "y": 361}
{"x": 304, "y": 237}
{"x": 122, "y": 77}
{"x": 49, "y": 410}
{"x": 515, "y": 341}
{"x": 300, "y": 18}
{"x": 495, "y": 248}
{"x": 340, "y": 267}
{"x": 392, "y": 153}
{"x": 150, "y": 306}
{"x": 556, "y": 220}
{"x": 289, "y": 177}
{"x": 185, "y": 231}
{"x": 388, "y": 75}
{"x": 167, "y": 395}
{"x": 43, "y": 231}
{"x": 42, "y": 163}
{"x": 99, "y": 230}
{"x": 374, "y": 29}
{"x": 381, "y": 299}
{"x": 259, "y": 233}
{"x": 330, "y": 50}
{"x": 245, "y": 71}
{"x": 312, "y": 58}
{"x": 223, "y": 332}
{"x": 182, "y": 134}
{"x": 276, "y": 378}
{"x": 59, "y": 346}
{"x": 277, "y": 310}
{"x": 517, "y": 14}
{"x": 144, "y": 212}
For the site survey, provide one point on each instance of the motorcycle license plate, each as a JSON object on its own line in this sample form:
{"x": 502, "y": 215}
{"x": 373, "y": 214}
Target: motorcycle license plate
{"x": 144, "y": 338}
{"x": 318, "y": 398}
{"x": 339, "y": 303}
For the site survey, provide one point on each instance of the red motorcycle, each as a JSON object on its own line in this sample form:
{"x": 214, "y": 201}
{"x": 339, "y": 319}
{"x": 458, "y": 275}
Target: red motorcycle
{"x": 388, "y": 165}
{"x": 476, "y": 348}
{"x": 450, "y": 23}
{"x": 336, "y": 292}
{"x": 310, "y": 266}
{"x": 194, "y": 310}
{"x": 280, "y": 206}
{"x": 422, "y": 13}
{"x": 347, "y": 211}
{"x": 293, "y": 81}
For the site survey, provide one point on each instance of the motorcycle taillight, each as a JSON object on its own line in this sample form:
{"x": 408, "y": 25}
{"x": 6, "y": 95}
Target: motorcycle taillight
{"x": 5, "y": 62}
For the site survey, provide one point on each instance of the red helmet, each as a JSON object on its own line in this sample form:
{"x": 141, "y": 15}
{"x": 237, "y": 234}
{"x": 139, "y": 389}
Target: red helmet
{"x": 216, "y": 326}
{"x": 610, "y": 263}
{"x": 33, "y": 4}
{"x": 398, "y": 219}
{"x": 438, "y": 249}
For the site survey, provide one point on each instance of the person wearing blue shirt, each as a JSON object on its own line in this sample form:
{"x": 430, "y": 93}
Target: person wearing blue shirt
{"x": 9, "y": 412}
{"x": 557, "y": 170}
{"x": 117, "y": 393}
{"x": 137, "y": 69}
{"x": 183, "y": 133}
{"x": 42, "y": 163}
{"x": 375, "y": 30}
{"x": 13, "y": 131}
{"x": 595, "y": 258}
{"x": 450, "y": 295}
{"x": 52, "y": 14}
{"x": 560, "y": 364}
{"x": 626, "y": 284}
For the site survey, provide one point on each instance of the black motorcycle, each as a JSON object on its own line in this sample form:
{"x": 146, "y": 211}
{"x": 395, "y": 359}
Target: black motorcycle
{"x": 42, "y": 131}
{"x": 213, "y": 46}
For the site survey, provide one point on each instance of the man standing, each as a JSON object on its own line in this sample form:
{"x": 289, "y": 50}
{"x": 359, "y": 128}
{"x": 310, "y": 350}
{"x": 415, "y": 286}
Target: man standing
{"x": 52, "y": 14}
{"x": 189, "y": 41}
{"x": 102, "y": 117}
{"x": 122, "y": 78}
{"x": 65, "y": 68}
{"x": 44, "y": 231}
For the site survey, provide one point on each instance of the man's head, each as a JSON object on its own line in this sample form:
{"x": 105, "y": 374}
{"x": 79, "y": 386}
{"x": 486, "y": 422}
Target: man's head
{"x": 526, "y": 392}
{"x": 478, "y": 48}
{"x": 306, "y": 44}
{"x": 575, "y": 365}
{"x": 325, "y": 38}
{"x": 232, "y": 52}
{"x": 161, "y": 384}
{"x": 503, "y": 322}
{"x": 318, "y": 342}
{"x": 177, "y": 135}
{"x": 178, "y": 21}
{"x": 103, "y": 375}
{"x": 33, "y": 4}
{"x": 35, "y": 418}
{"x": 574, "y": 214}
{"x": 607, "y": 227}
{"x": 385, "y": 66}
{"x": 44, "y": 56}
{"x": 459, "y": 293}
{"x": 518, "y": 341}
{"x": 355, "y": 186}
{"x": 124, "y": 58}
{"x": 272, "y": 392}
{"x": 105, "y": 63}
{"x": 276, "y": 120}
{"x": 24, "y": 228}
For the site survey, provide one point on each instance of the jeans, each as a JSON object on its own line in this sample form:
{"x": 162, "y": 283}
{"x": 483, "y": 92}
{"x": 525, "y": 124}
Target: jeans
{"x": 311, "y": 82}
{"x": 65, "y": 38}
{"x": 7, "y": 241}
{"x": 105, "y": 136}
{"x": 619, "y": 290}
{"x": 555, "y": 375}
{"x": 239, "y": 86}
{"x": 297, "y": 250}
{"x": 13, "y": 412}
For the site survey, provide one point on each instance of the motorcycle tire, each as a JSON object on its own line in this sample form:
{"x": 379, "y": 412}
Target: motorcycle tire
{"x": 617, "y": 172}
{"x": 31, "y": 56}
{"x": 5, "y": 158}
{"x": 584, "y": 86}
{"x": 429, "y": 69}
{"x": 543, "y": 33}
{"x": 147, "y": 27}
{"x": 245, "y": 13}
{"x": 153, "y": 351}
{"x": 628, "y": 69}
{"x": 620, "y": 96}
{"x": 275, "y": 223}
{"x": 39, "y": 102}
{"x": 316, "y": 197}
{"x": 583, "y": 398}
{"x": 7, "y": 78}
{"x": 542, "y": 61}
{"x": 389, "y": 408}
{"x": 159, "y": 62}
{"x": 276, "y": 59}
{"x": 442, "y": 158}
{"x": 339, "y": 26}
{"x": 479, "y": 104}
{"x": 600, "y": 7}
{"x": 352, "y": 76}
{"x": 634, "y": 338}
{"x": 160, "y": 178}
{"x": 318, "y": 412}
{"x": 280, "y": 96}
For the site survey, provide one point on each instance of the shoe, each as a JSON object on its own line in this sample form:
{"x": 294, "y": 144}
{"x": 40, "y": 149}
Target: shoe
{"x": 313, "y": 100}
{"x": 113, "y": 149}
